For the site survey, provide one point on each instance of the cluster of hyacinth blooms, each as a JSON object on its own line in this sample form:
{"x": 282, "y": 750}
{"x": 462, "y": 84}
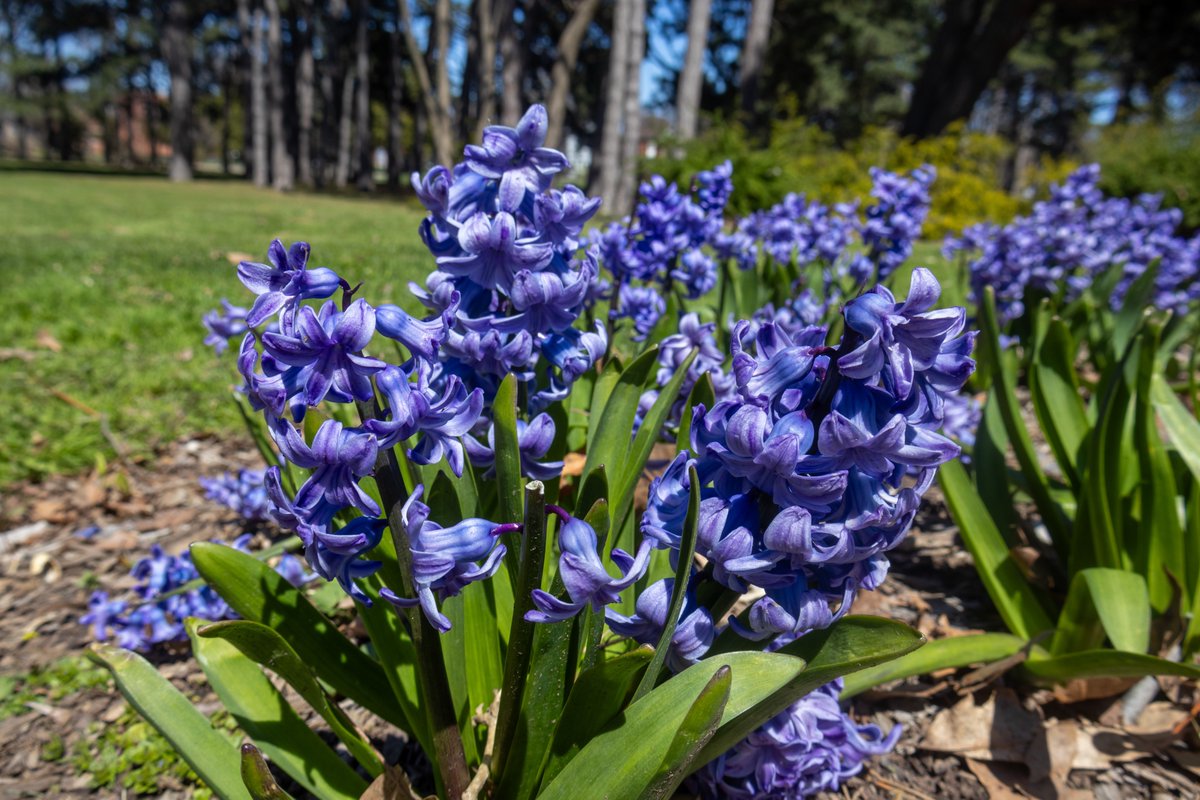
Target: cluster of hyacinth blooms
{"x": 1074, "y": 237}
{"x": 677, "y": 242}
{"x": 243, "y": 493}
{"x": 155, "y": 611}
{"x": 812, "y": 460}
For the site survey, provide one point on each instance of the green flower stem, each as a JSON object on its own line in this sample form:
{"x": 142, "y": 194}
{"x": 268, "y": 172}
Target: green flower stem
{"x": 520, "y": 639}
{"x": 431, "y": 668}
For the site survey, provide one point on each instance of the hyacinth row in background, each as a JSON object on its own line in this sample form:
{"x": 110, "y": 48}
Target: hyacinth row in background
{"x": 157, "y": 609}
{"x": 1072, "y": 239}
{"x": 812, "y": 460}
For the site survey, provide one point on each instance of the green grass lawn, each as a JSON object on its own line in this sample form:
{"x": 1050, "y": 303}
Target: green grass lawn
{"x": 105, "y": 282}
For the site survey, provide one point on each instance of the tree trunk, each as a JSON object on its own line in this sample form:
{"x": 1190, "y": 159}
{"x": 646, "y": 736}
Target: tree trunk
{"x": 177, "y": 53}
{"x": 258, "y": 100}
{"x": 395, "y": 144}
{"x": 245, "y": 83}
{"x": 442, "y": 130}
{"x": 512, "y": 57}
{"x": 281, "y": 162}
{"x": 631, "y": 137}
{"x": 362, "y": 57}
{"x": 970, "y": 47}
{"x": 341, "y": 174}
{"x": 565, "y": 59}
{"x": 486, "y": 64}
{"x": 691, "y": 79}
{"x": 227, "y": 77}
{"x": 302, "y": 36}
{"x": 754, "y": 53}
{"x": 609, "y": 163}
{"x": 437, "y": 113}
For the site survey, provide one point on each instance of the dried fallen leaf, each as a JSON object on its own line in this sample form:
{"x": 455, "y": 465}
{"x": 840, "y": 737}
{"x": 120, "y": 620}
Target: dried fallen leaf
{"x": 999, "y": 729}
{"x": 46, "y": 339}
{"x": 1081, "y": 689}
{"x": 573, "y": 464}
{"x": 236, "y": 258}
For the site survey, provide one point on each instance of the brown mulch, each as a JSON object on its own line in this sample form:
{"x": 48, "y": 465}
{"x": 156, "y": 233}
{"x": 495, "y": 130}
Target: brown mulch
{"x": 47, "y": 572}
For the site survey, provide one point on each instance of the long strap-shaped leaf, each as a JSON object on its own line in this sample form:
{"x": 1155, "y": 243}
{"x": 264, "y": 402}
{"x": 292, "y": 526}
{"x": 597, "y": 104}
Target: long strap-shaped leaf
{"x": 264, "y": 646}
{"x": 1104, "y": 664}
{"x": 1015, "y": 599}
{"x": 257, "y": 777}
{"x": 214, "y": 758}
{"x": 1039, "y": 486}
{"x": 1104, "y": 602}
{"x": 956, "y": 651}
{"x": 259, "y": 593}
{"x": 696, "y": 730}
{"x": 623, "y": 759}
{"x": 263, "y": 713}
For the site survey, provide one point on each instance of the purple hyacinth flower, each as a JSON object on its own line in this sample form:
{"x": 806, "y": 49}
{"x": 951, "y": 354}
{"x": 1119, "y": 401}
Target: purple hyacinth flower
{"x": 243, "y": 493}
{"x": 770, "y": 454}
{"x": 583, "y": 573}
{"x": 492, "y": 252}
{"x": 286, "y": 282}
{"x": 560, "y": 216}
{"x": 417, "y": 409}
{"x": 265, "y": 392}
{"x": 494, "y": 353}
{"x": 643, "y": 305}
{"x": 422, "y": 337}
{"x": 809, "y": 748}
{"x": 223, "y": 325}
{"x": 667, "y": 502}
{"x": 338, "y": 457}
{"x": 103, "y": 614}
{"x": 919, "y": 351}
{"x": 781, "y": 369}
{"x": 697, "y": 272}
{"x": 338, "y": 555}
{"x": 534, "y": 439}
{"x": 516, "y": 158}
{"x": 446, "y": 560}
{"x": 326, "y": 350}
{"x": 693, "y": 633}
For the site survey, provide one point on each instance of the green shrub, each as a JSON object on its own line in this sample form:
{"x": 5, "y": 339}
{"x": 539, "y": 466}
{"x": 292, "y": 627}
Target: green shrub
{"x": 800, "y": 157}
{"x": 1147, "y": 157}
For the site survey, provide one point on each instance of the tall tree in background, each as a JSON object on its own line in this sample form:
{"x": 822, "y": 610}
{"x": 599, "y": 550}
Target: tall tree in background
{"x": 691, "y": 78}
{"x": 281, "y": 160}
{"x": 302, "y": 41}
{"x": 395, "y": 130}
{"x": 566, "y": 56}
{"x": 631, "y": 136}
{"x": 362, "y": 103}
{"x": 512, "y": 61}
{"x": 754, "y": 53}
{"x": 608, "y": 166}
{"x": 970, "y": 47}
{"x": 258, "y": 99}
{"x": 440, "y": 36}
{"x": 437, "y": 113}
{"x": 486, "y": 26}
{"x": 177, "y": 53}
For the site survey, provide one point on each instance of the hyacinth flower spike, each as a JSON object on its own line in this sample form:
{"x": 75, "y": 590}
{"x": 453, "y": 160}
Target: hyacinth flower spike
{"x": 583, "y": 573}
